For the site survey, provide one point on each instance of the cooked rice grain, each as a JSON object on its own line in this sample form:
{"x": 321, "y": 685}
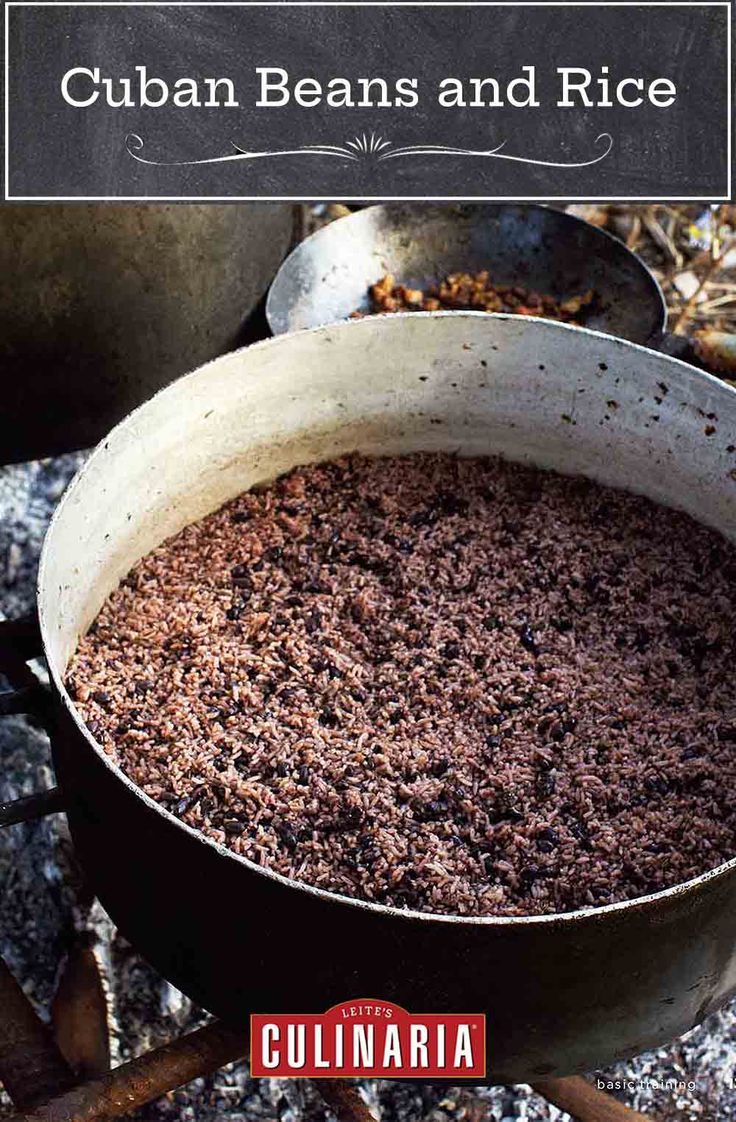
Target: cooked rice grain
{"x": 455, "y": 685}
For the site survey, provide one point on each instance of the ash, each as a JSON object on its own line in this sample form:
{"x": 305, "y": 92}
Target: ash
{"x": 45, "y": 910}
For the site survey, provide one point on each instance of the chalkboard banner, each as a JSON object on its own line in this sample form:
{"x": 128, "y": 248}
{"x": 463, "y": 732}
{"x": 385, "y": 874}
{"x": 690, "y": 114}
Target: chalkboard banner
{"x": 368, "y": 101}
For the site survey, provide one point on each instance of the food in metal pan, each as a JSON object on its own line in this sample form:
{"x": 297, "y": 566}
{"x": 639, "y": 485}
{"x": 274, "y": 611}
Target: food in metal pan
{"x": 476, "y": 292}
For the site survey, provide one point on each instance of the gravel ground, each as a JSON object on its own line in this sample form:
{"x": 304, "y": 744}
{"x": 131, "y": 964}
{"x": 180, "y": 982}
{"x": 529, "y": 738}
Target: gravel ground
{"x": 43, "y": 907}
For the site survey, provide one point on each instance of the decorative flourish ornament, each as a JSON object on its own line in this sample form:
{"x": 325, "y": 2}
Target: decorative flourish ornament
{"x": 367, "y": 148}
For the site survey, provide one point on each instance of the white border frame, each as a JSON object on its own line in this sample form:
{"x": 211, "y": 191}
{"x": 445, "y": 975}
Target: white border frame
{"x": 11, "y": 4}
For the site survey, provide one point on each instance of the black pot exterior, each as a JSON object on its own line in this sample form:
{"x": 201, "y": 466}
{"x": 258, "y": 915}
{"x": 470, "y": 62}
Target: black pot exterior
{"x": 560, "y": 995}
{"x": 102, "y": 305}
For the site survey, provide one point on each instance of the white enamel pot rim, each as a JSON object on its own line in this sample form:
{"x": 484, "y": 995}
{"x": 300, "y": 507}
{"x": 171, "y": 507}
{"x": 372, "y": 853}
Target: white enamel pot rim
{"x": 458, "y": 353}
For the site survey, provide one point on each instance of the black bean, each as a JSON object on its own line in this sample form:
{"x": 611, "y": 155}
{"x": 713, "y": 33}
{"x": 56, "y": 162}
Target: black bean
{"x": 350, "y": 818}
{"x": 642, "y": 639}
{"x": 527, "y": 639}
{"x": 185, "y": 804}
{"x": 451, "y": 504}
{"x": 546, "y": 785}
{"x": 580, "y": 831}
{"x": 430, "y": 811}
{"x": 549, "y": 834}
{"x": 422, "y": 518}
{"x": 657, "y": 785}
{"x": 529, "y": 874}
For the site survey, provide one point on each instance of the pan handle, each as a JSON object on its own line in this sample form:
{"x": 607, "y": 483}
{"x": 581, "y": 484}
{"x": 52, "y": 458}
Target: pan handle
{"x": 676, "y": 346}
{"x": 20, "y": 640}
{"x": 31, "y": 807}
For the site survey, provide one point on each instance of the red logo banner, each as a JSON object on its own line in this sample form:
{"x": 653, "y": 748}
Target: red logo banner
{"x": 368, "y": 1039}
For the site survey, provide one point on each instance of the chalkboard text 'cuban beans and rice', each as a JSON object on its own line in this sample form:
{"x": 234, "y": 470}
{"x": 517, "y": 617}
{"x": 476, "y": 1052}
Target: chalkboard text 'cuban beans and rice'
{"x": 275, "y": 87}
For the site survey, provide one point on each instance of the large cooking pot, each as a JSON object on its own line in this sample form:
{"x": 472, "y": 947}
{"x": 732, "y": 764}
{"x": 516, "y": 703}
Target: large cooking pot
{"x": 100, "y": 306}
{"x": 562, "y": 993}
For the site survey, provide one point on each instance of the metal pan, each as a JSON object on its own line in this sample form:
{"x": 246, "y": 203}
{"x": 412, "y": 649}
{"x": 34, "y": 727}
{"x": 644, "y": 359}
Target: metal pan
{"x": 562, "y": 993}
{"x": 328, "y": 275}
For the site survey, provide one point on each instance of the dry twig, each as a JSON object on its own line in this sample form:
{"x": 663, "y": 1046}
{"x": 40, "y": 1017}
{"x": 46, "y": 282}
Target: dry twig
{"x": 79, "y": 1015}
{"x": 344, "y": 1100}
{"x": 585, "y": 1102}
{"x": 660, "y": 237}
{"x": 712, "y": 268}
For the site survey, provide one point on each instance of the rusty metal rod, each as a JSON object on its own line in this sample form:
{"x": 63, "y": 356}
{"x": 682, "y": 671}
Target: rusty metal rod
{"x": 584, "y": 1101}
{"x": 344, "y": 1100}
{"x": 31, "y": 1066}
{"x": 141, "y": 1081}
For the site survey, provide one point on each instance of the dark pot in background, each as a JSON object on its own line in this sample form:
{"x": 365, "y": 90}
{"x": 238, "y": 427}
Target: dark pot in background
{"x": 102, "y": 305}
